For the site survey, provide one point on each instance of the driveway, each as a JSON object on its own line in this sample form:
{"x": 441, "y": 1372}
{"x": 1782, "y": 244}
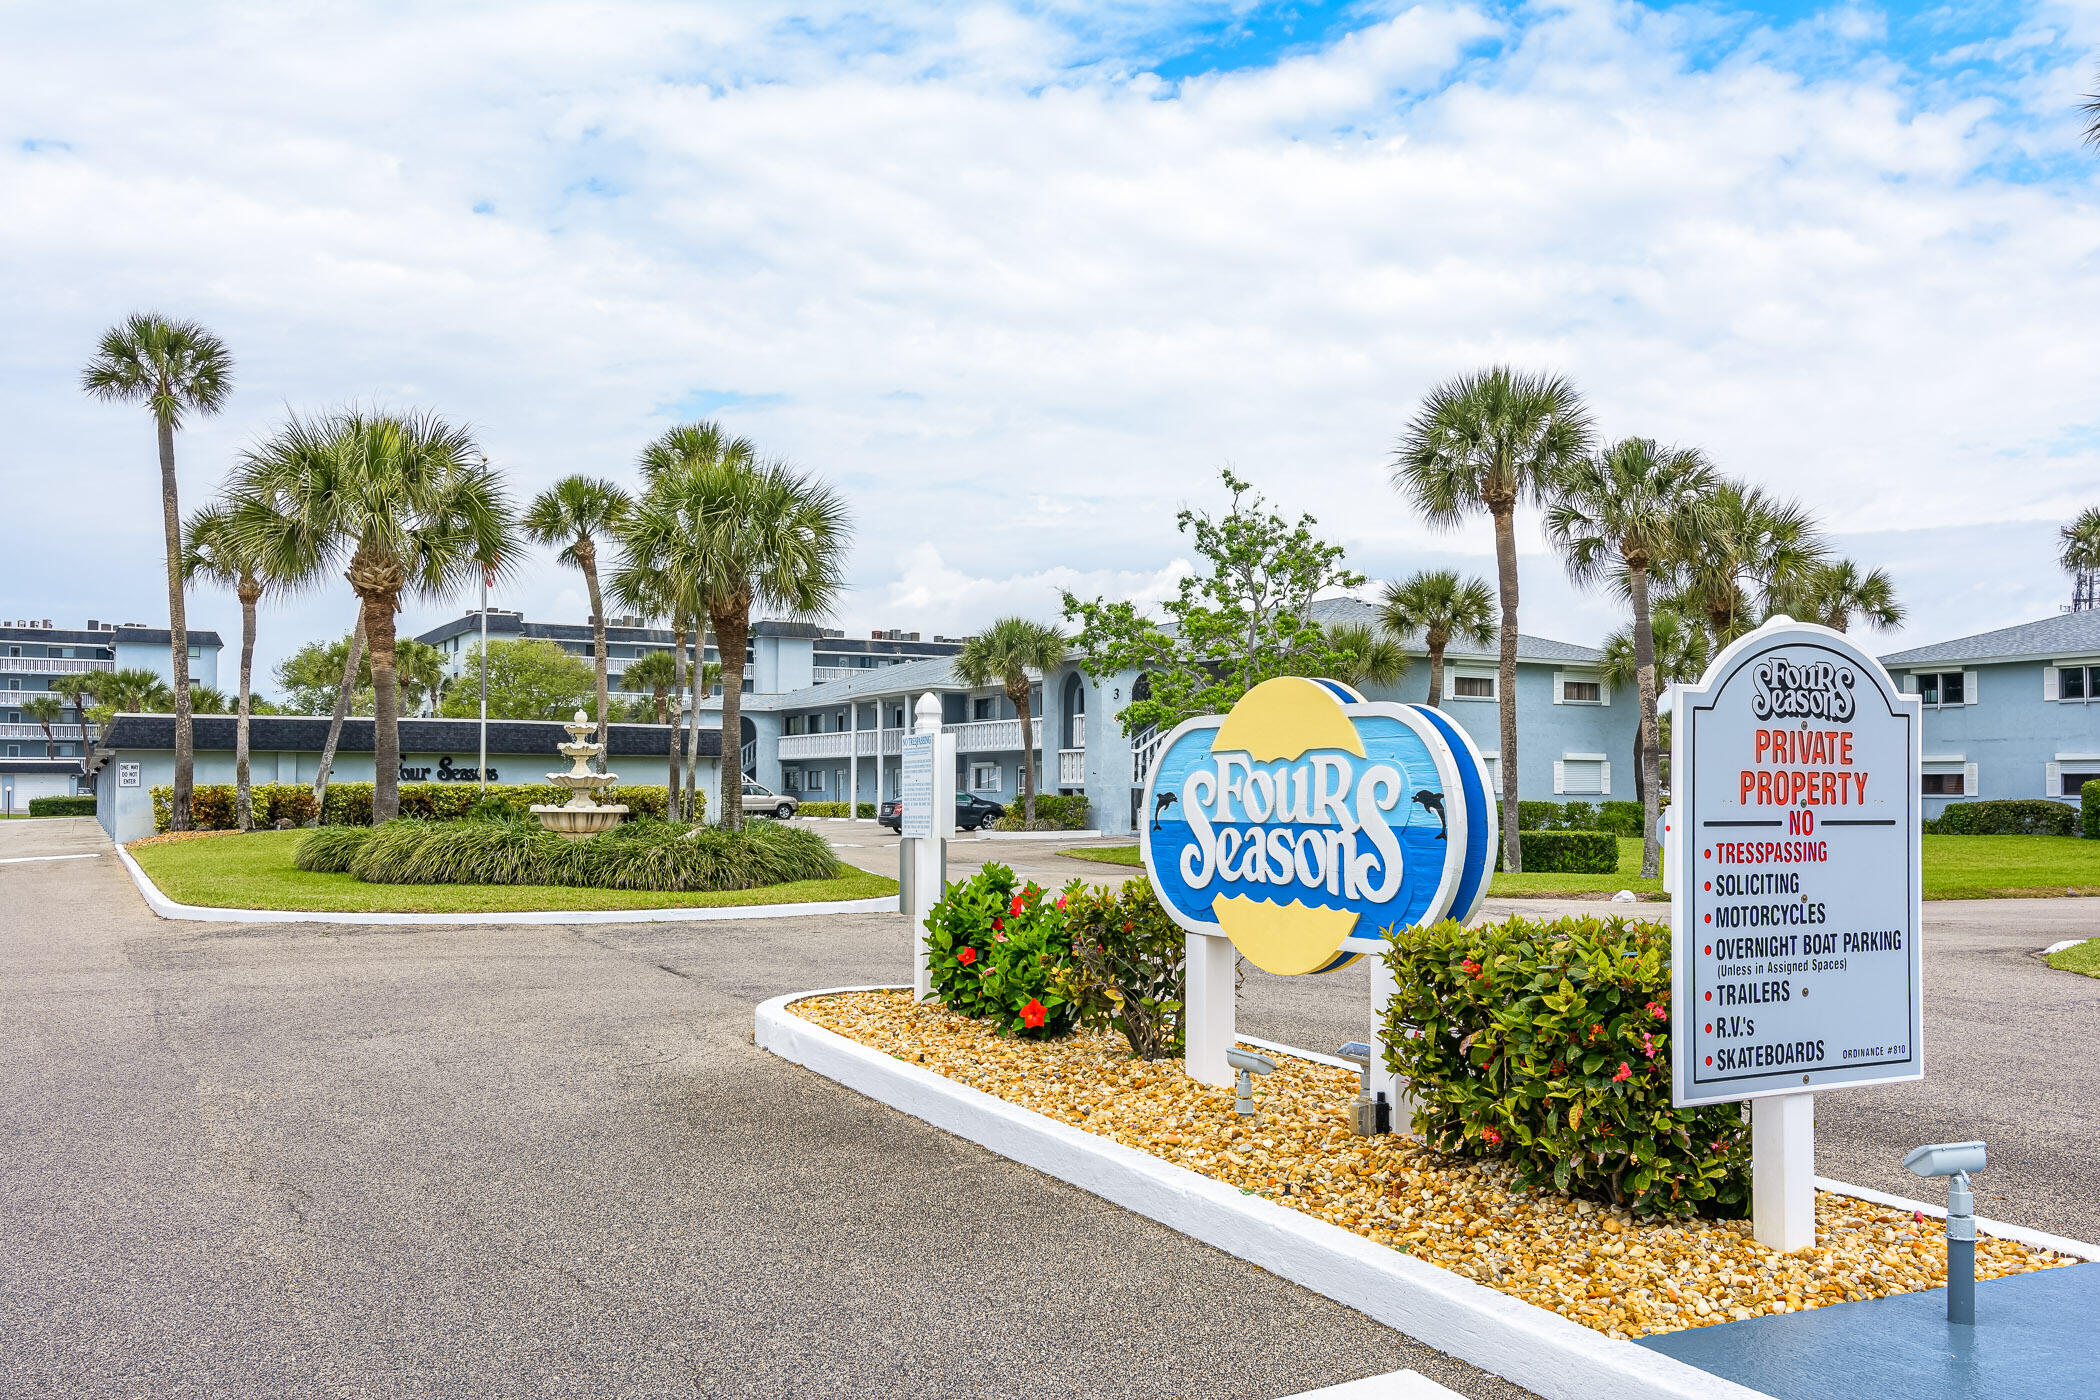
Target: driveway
{"x": 311, "y": 1161}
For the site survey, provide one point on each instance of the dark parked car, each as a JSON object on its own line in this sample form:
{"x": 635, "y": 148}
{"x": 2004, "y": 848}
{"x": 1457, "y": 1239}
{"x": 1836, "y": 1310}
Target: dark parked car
{"x": 971, "y": 812}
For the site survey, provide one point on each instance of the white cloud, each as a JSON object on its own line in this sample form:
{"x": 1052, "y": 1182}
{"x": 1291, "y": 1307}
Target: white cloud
{"x": 1021, "y": 299}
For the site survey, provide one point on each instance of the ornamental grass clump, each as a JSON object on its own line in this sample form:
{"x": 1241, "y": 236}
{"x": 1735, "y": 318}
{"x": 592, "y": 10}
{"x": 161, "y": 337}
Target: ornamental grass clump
{"x": 997, "y": 949}
{"x": 1547, "y": 1043}
{"x": 331, "y": 850}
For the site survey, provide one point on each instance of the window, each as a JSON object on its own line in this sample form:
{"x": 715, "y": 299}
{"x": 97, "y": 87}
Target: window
{"x": 1582, "y": 775}
{"x": 981, "y": 708}
{"x": 815, "y": 779}
{"x": 2078, "y": 682}
{"x": 984, "y": 777}
{"x": 2073, "y": 784}
{"x": 14, "y": 750}
{"x": 1473, "y": 687}
{"x": 1941, "y": 785}
{"x": 1579, "y": 689}
{"x": 1943, "y": 687}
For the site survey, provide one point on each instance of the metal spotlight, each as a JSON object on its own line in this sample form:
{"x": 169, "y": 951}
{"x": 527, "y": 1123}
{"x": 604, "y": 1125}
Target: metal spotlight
{"x": 1956, "y": 1160}
{"x": 1248, "y": 1064}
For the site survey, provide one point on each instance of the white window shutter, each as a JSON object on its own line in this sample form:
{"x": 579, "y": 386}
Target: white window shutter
{"x": 1560, "y": 688}
{"x": 1968, "y": 780}
{"x": 2052, "y": 779}
{"x": 1968, "y": 687}
{"x": 1604, "y": 778}
{"x": 1910, "y": 683}
{"x": 2049, "y": 683}
{"x": 1560, "y": 777}
{"x": 1450, "y": 683}
{"x": 1604, "y": 691}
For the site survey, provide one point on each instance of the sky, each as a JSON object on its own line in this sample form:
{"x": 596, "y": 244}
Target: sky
{"x": 1019, "y": 279}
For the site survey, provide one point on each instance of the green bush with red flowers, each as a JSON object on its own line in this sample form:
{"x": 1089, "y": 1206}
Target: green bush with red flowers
{"x": 996, "y": 947}
{"x": 1547, "y": 1043}
{"x": 1126, "y": 966}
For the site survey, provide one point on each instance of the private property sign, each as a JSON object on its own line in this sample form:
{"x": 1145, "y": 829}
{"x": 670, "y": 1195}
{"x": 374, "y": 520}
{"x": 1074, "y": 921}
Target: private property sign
{"x": 1794, "y": 868}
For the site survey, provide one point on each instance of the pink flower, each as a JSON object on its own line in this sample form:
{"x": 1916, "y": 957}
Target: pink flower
{"x": 1647, "y": 1045}
{"x": 1060, "y": 901}
{"x": 1490, "y": 1136}
{"x": 1658, "y": 1011}
{"x": 1625, "y": 1073}
{"x": 998, "y": 938}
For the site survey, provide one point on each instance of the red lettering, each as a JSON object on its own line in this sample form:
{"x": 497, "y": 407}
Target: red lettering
{"x": 1845, "y": 748}
{"x": 1749, "y": 781}
{"x": 1764, "y": 744}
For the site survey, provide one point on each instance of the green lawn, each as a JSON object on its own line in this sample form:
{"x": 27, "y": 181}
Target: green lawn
{"x": 2084, "y": 958}
{"x": 1956, "y": 867}
{"x": 256, "y": 872}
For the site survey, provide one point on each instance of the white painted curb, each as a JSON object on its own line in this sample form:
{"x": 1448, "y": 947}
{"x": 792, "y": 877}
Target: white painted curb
{"x": 1540, "y": 1350}
{"x": 1393, "y": 1385}
{"x": 2055, "y": 948}
{"x": 206, "y": 914}
{"x": 1087, "y": 835}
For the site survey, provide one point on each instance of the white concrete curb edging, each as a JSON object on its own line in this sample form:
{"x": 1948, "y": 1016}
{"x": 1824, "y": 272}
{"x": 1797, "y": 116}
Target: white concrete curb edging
{"x": 1541, "y": 1350}
{"x": 167, "y": 908}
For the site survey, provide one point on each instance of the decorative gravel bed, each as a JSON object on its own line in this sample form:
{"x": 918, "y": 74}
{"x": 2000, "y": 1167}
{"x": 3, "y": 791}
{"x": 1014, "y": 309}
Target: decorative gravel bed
{"x": 1592, "y": 1263}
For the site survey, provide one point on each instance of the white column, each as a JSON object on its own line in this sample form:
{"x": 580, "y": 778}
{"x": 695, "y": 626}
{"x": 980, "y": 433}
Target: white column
{"x": 1783, "y": 1171}
{"x": 929, "y": 870}
{"x": 853, "y": 760}
{"x": 1208, "y": 1014}
{"x": 1383, "y": 1080}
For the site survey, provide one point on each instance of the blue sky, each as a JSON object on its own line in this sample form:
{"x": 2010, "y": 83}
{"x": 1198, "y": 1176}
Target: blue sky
{"x": 1023, "y": 277}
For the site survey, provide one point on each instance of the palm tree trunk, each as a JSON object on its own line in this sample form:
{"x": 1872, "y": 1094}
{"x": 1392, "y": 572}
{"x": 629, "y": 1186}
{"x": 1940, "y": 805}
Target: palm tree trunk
{"x": 1506, "y": 683}
{"x": 1436, "y": 673}
{"x": 386, "y": 709}
{"x": 50, "y": 740}
{"x": 1644, "y": 672}
{"x": 692, "y": 721}
{"x": 587, "y": 556}
{"x": 243, "y": 801}
{"x": 178, "y": 635}
{"x": 731, "y": 625}
{"x": 677, "y": 694}
{"x": 343, "y": 691}
{"x": 1020, "y": 699}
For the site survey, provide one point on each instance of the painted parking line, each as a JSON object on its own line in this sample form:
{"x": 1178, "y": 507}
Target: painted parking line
{"x": 24, "y": 860}
{"x": 1394, "y": 1385}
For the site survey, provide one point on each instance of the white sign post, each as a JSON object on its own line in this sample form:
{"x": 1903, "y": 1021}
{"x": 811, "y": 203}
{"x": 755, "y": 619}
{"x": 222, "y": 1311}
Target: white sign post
{"x": 1794, "y": 896}
{"x": 926, "y": 820}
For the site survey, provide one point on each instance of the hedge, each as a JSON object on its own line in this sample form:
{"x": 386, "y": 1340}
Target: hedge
{"x": 834, "y": 809}
{"x": 62, "y": 806}
{"x": 2088, "y": 803}
{"x": 350, "y": 804}
{"x": 1618, "y": 818}
{"x": 1621, "y": 818}
{"x": 1567, "y": 852}
{"x": 639, "y": 855}
{"x": 1547, "y": 1043}
{"x": 2031, "y": 817}
{"x": 1053, "y": 812}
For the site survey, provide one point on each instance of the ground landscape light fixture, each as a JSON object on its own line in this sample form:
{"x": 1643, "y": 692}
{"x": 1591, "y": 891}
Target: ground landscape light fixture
{"x": 1956, "y": 1160}
{"x": 1248, "y": 1064}
{"x": 1373, "y": 1114}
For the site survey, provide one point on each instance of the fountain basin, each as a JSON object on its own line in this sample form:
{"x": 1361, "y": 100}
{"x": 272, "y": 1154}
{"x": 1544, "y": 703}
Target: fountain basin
{"x": 578, "y": 822}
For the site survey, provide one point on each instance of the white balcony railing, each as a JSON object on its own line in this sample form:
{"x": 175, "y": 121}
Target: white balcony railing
{"x": 62, "y": 733}
{"x": 1144, "y": 748}
{"x": 818, "y": 675}
{"x": 52, "y": 665}
{"x": 845, "y": 743}
{"x": 1071, "y": 767}
{"x": 994, "y": 735}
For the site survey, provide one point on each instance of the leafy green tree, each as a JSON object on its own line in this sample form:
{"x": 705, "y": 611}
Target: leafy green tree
{"x": 1490, "y": 442}
{"x": 77, "y": 688}
{"x": 407, "y": 505}
{"x": 1441, "y": 608}
{"x": 174, "y": 368}
{"x": 655, "y": 672}
{"x": 528, "y": 679}
{"x": 1244, "y": 620}
{"x": 1617, "y": 517}
{"x": 1366, "y": 656}
{"x": 1839, "y": 594}
{"x": 575, "y": 513}
{"x": 45, "y": 710}
{"x": 659, "y": 577}
{"x": 1004, "y": 654}
{"x": 312, "y": 677}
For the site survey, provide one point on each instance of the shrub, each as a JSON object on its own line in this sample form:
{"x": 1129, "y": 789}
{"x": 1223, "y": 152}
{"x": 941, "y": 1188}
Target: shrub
{"x": 1053, "y": 812}
{"x": 1126, "y": 966}
{"x": 2088, "y": 804}
{"x": 1547, "y": 1043}
{"x": 1538, "y": 816}
{"x": 350, "y": 804}
{"x": 1567, "y": 852}
{"x": 836, "y": 809}
{"x": 997, "y": 949}
{"x": 2009, "y": 818}
{"x": 639, "y": 855}
{"x": 62, "y": 806}
{"x": 331, "y": 850}
{"x": 1621, "y": 818}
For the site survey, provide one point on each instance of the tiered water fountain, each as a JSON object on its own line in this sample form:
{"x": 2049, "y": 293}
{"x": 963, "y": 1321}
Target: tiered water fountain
{"x": 580, "y": 816}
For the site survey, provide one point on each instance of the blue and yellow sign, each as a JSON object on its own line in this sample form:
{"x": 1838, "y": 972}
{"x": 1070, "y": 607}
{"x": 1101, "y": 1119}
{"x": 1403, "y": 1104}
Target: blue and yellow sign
{"x": 1309, "y": 819}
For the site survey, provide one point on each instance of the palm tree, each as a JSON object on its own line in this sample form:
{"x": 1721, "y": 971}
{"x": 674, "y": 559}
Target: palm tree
{"x": 1003, "y": 654}
{"x": 172, "y": 367}
{"x": 658, "y": 577}
{"x": 1444, "y": 609}
{"x": 45, "y": 710}
{"x": 655, "y": 673}
{"x": 1492, "y": 441}
{"x": 345, "y": 689}
{"x": 77, "y": 688}
{"x": 1682, "y": 653}
{"x": 1373, "y": 656}
{"x": 204, "y": 700}
{"x": 2079, "y": 542}
{"x": 1838, "y": 594}
{"x": 135, "y": 691}
{"x": 217, "y": 549}
{"x": 573, "y": 513}
{"x": 408, "y": 504}
{"x": 1756, "y": 556}
{"x": 1620, "y": 515}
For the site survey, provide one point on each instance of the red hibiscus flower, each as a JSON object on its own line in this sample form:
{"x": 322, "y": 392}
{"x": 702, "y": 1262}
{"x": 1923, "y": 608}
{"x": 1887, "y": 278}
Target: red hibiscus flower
{"x": 998, "y": 924}
{"x": 967, "y": 956}
{"x": 1625, "y": 1073}
{"x": 1018, "y": 905}
{"x": 1490, "y": 1136}
{"x": 1033, "y": 1015}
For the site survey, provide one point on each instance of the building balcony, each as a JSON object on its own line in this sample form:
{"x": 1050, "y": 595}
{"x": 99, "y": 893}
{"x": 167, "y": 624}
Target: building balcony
{"x": 847, "y": 743}
{"x": 1071, "y": 767}
{"x": 818, "y": 675}
{"x": 994, "y": 735}
{"x": 60, "y": 733}
{"x": 52, "y": 665}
